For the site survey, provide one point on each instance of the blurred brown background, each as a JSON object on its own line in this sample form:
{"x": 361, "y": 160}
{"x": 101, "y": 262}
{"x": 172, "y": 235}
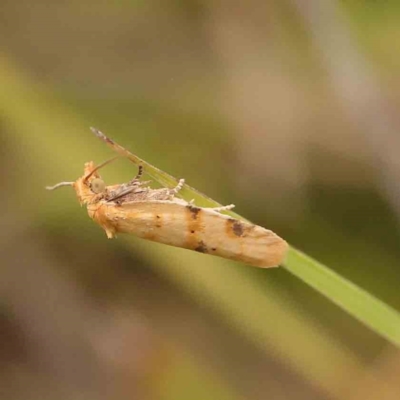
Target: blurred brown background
{"x": 288, "y": 109}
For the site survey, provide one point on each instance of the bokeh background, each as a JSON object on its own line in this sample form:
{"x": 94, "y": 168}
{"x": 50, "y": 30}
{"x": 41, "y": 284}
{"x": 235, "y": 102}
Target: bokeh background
{"x": 288, "y": 109}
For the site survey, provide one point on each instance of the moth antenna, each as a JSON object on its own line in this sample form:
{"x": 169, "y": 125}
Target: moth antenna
{"x": 58, "y": 185}
{"x": 98, "y": 167}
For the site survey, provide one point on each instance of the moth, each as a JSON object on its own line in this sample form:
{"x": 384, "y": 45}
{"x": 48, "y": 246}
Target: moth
{"x": 161, "y": 216}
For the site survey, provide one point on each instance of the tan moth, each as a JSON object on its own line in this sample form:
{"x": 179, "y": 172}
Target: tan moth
{"x": 159, "y": 215}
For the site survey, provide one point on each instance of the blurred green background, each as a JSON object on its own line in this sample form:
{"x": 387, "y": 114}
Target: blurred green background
{"x": 287, "y": 109}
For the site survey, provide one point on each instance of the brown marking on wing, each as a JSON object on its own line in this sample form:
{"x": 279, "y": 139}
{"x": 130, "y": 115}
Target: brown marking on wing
{"x": 150, "y": 236}
{"x": 158, "y": 221}
{"x": 235, "y": 228}
{"x": 194, "y": 211}
{"x": 194, "y": 226}
{"x": 202, "y": 247}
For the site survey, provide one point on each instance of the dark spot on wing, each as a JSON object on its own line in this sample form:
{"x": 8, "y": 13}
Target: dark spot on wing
{"x": 193, "y": 210}
{"x": 159, "y": 222}
{"x": 237, "y": 227}
{"x": 201, "y": 248}
{"x": 213, "y": 248}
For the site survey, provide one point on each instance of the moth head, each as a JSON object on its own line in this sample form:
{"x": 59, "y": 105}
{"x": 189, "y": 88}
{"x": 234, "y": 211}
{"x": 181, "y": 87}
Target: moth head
{"x": 89, "y": 185}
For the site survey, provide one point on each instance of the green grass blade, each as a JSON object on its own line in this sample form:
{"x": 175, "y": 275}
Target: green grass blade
{"x": 374, "y": 313}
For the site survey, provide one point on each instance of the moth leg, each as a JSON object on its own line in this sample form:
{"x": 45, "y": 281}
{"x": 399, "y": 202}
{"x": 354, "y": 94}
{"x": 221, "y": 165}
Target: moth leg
{"x": 177, "y": 188}
{"x": 139, "y": 174}
{"x": 110, "y": 233}
{"x": 223, "y": 208}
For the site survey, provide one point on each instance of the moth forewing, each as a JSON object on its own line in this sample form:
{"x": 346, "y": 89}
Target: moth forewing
{"x": 181, "y": 224}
